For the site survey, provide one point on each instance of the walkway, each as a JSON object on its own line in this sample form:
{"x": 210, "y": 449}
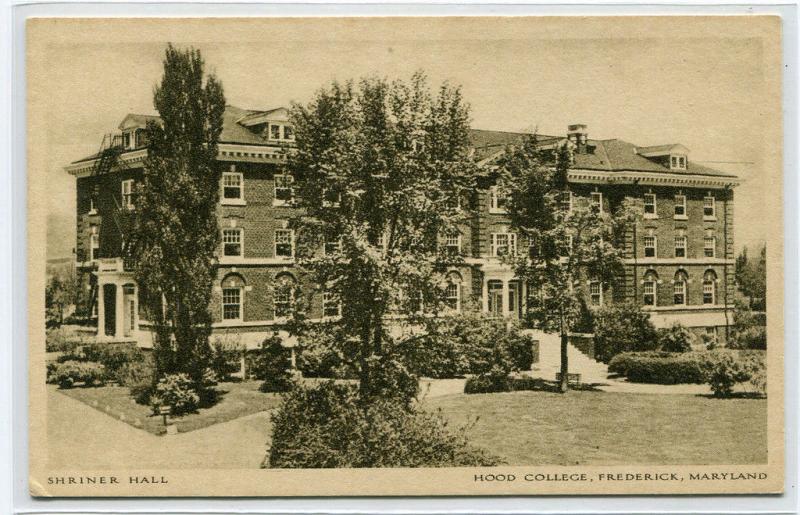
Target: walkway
{"x": 83, "y": 437}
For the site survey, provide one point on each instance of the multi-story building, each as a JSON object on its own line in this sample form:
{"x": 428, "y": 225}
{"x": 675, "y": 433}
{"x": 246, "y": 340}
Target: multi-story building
{"x": 678, "y": 262}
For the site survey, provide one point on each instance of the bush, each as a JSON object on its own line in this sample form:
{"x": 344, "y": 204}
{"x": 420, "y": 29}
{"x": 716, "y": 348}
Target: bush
{"x": 273, "y": 366}
{"x": 675, "y": 339}
{"x": 61, "y": 340}
{"x": 327, "y": 426}
{"x": 470, "y": 343}
{"x": 113, "y": 356}
{"x": 324, "y": 352}
{"x": 659, "y": 367}
{"x": 68, "y": 373}
{"x": 177, "y": 391}
{"x": 225, "y": 358}
{"x": 622, "y": 328}
{"x": 497, "y": 380}
{"x": 754, "y": 337}
{"x": 139, "y": 377}
{"x": 729, "y": 368}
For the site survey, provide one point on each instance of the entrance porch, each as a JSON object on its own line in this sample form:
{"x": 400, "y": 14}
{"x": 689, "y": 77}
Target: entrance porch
{"x": 117, "y": 302}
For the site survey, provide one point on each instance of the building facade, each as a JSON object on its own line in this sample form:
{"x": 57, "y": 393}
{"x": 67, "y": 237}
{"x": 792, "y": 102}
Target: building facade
{"x": 679, "y": 257}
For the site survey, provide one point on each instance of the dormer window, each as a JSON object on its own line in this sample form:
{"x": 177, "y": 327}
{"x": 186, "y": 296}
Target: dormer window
{"x": 280, "y": 132}
{"x": 678, "y": 162}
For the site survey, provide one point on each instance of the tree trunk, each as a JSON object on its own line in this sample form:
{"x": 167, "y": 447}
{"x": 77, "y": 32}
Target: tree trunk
{"x": 564, "y": 384}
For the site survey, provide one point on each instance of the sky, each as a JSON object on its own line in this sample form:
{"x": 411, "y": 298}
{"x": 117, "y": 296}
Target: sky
{"x": 704, "y": 92}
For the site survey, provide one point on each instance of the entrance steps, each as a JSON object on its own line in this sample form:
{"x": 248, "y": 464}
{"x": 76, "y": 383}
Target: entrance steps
{"x": 591, "y": 371}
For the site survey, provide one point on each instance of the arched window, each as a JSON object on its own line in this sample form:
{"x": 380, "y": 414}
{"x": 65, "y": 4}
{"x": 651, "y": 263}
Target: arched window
{"x": 283, "y": 295}
{"x": 452, "y": 291}
{"x": 650, "y": 288}
{"x": 233, "y": 297}
{"x": 679, "y": 289}
{"x": 710, "y": 287}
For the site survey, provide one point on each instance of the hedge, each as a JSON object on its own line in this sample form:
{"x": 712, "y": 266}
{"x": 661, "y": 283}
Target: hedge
{"x": 659, "y": 367}
{"x": 69, "y": 373}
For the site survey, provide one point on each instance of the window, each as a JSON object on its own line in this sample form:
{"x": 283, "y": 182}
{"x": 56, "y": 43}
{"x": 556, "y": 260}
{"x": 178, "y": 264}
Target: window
{"x": 126, "y": 139}
{"x": 232, "y": 242}
{"x": 331, "y": 306}
{"x": 452, "y": 244}
{"x": 566, "y": 200}
{"x": 283, "y": 297}
{"x": 679, "y": 290}
{"x": 332, "y": 246}
{"x": 284, "y": 243}
{"x": 232, "y": 183}
{"x": 534, "y": 251}
{"x": 709, "y": 246}
{"x": 274, "y": 131}
{"x": 503, "y": 244}
{"x": 678, "y": 162}
{"x": 127, "y": 194}
{"x": 710, "y": 287}
{"x": 597, "y": 201}
{"x": 94, "y": 243}
{"x": 650, "y": 205}
{"x": 284, "y": 193}
{"x": 231, "y": 303}
{"x": 498, "y": 201}
{"x": 649, "y": 290}
{"x": 680, "y": 246}
{"x": 381, "y": 242}
{"x": 680, "y": 206}
{"x": 681, "y": 162}
{"x": 709, "y": 207}
{"x": 288, "y": 132}
{"x": 650, "y": 243}
{"x": 452, "y": 292}
{"x": 596, "y": 293}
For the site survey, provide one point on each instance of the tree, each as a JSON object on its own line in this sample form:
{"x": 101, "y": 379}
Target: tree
{"x": 570, "y": 241}
{"x": 751, "y": 277}
{"x": 383, "y": 171}
{"x": 175, "y": 235}
{"x": 63, "y": 290}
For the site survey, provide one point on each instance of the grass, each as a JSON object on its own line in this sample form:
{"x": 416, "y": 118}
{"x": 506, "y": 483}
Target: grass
{"x": 607, "y": 428}
{"x": 238, "y": 399}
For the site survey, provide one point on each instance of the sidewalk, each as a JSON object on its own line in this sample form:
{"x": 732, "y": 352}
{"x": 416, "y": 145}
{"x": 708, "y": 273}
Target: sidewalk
{"x": 83, "y": 437}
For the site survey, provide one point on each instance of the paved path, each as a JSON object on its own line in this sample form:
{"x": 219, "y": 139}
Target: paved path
{"x": 88, "y": 438}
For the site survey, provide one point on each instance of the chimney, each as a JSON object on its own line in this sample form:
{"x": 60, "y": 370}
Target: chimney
{"x": 578, "y": 134}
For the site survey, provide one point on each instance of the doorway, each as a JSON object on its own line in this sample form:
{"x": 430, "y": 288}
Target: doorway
{"x": 495, "y": 292}
{"x": 110, "y": 309}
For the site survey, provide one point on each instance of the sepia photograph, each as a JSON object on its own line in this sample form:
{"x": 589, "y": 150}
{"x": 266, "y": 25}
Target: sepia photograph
{"x": 405, "y": 256}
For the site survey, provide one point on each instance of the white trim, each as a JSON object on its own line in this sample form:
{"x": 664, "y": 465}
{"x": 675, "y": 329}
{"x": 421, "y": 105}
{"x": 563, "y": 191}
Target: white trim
{"x": 651, "y": 178}
{"x": 232, "y": 201}
{"x": 238, "y": 230}
{"x": 275, "y": 244}
{"x": 679, "y": 261}
{"x": 276, "y": 202}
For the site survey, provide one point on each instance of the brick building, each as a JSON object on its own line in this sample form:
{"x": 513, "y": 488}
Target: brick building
{"x": 679, "y": 257}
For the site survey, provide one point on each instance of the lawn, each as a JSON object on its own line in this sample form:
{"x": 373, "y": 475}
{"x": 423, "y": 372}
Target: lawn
{"x": 238, "y": 399}
{"x": 605, "y": 428}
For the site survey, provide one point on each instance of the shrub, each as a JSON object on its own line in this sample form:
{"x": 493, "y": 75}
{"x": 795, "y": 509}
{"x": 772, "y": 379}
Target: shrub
{"x": 139, "y": 377}
{"x": 324, "y": 352}
{"x": 68, "y": 373}
{"x": 470, "y": 343}
{"x": 730, "y": 368}
{"x": 622, "y": 328}
{"x": 497, "y": 380}
{"x": 754, "y": 337}
{"x": 389, "y": 379}
{"x": 177, "y": 391}
{"x": 659, "y": 367}
{"x": 677, "y": 338}
{"x": 327, "y": 426}
{"x": 273, "y": 366}
{"x": 60, "y": 340}
{"x": 113, "y": 356}
{"x": 225, "y": 358}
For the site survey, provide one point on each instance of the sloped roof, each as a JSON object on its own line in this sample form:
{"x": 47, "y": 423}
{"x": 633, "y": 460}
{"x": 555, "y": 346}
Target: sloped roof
{"x": 609, "y": 155}
{"x": 133, "y": 119}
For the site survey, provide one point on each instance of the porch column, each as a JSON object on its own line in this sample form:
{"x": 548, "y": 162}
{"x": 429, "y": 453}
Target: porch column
{"x": 504, "y": 298}
{"x": 485, "y": 294}
{"x": 119, "y": 325}
{"x": 101, "y": 310}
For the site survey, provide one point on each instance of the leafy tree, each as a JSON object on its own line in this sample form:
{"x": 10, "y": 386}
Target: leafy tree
{"x": 62, "y": 290}
{"x": 570, "y": 240}
{"x": 751, "y": 277}
{"x": 175, "y": 235}
{"x": 623, "y": 328}
{"x": 382, "y": 172}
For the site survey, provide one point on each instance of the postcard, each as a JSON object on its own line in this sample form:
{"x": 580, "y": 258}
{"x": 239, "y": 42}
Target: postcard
{"x": 405, "y": 256}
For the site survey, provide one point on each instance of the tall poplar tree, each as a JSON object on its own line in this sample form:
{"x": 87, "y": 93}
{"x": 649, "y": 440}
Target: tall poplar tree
{"x": 383, "y": 171}
{"x": 175, "y": 234}
{"x": 570, "y": 240}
